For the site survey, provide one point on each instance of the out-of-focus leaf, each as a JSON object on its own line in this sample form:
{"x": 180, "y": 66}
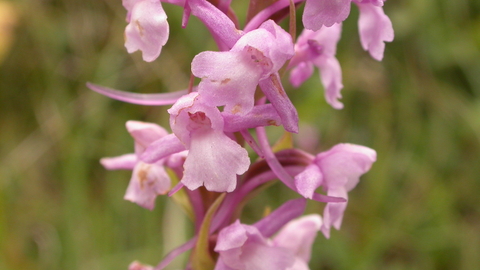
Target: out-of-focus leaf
{"x": 201, "y": 259}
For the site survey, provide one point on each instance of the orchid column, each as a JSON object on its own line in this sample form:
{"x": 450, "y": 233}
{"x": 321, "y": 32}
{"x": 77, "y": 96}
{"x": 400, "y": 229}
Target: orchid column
{"x": 212, "y": 123}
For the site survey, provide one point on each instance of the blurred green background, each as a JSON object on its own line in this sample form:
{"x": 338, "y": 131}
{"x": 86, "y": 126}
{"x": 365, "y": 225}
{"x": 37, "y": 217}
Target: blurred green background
{"x": 418, "y": 208}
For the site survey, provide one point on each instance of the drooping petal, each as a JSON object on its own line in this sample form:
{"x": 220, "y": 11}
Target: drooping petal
{"x": 148, "y": 29}
{"x": 298, "y": 236}
{"x": 331, "y": 77}
{"x": 325, "y": 12}
{"x": 375, "y": 29}
{"x": 123, "y": 162}
{"x": 147, "y": 182}
{"x": 333, "y": 212}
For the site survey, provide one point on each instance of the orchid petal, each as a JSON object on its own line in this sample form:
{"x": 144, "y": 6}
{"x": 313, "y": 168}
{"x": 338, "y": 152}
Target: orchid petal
{"x": 298, "y": 236}
{"x": 325, "y": 12}
{"x": 148, "y": 181}
{"x": 331, "y": 76}
{"x": 301, "y": 73}
{"x": 136, "y": 98}
{"x": 333, "y": 212}
{"x": 375, "y": 29}
{"x": 343, "y": 165}
{"x": 148, "y": 29}
{"x": 162, "y": 148}
{"x": 213, "y": 161}
{"x": 270, "y": 224}
{"x": 144, "y": 134}
{"x": 262, "y": 115}
{"x": 308, "y": 181}
{"x": 273, "y": 90}
{"x": 123, "y": 162}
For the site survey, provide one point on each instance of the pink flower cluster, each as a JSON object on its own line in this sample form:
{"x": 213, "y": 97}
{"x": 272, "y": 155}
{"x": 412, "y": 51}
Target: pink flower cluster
{"x": 240, "y": 93}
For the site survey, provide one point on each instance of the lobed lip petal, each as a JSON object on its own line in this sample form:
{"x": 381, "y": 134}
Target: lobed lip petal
{"x": 214, "y": 160}
{"x": 375, "y": 29}
{"x": 148, "y": 29}
{"x": 148, "y": 181}
{"x": 331, "y": 77}
{"x": 333, "y": 212}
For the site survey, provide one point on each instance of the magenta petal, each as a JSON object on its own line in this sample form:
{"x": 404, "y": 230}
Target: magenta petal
{"x": 262, "y": 115}
{"x": 270, "y": 224}
{"x": 123, "y": 162}
{"x": 214, "y": 160}
{"x": 136, "y": 98}
{"x": 222, "y": 28}
{"x": 331, "y": 76}
{"x": 148, "y": 29}
{"x": 144, "y": 134}
{"x": 228, "y": 78}
{"x": 375, "y": 29}
{"x": 244, "y": 247}
{"x": 301, "y": 73}
{"x": 263, "y": 257}
{"x": 325, "y": 12}
{"x": 298, "y": 236}
{"x": 138, "y": 266}
{"x": 162, "y": 148}
{"x": 343, "y": 165}
{"x": 273, "y": 90}
{"x": 148, "y": 181}
{"x": 222, "y": 266}
{"x": 333, "y": 212}
{"x": 308, "y": 181}
{"x": 283, "y": 48}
